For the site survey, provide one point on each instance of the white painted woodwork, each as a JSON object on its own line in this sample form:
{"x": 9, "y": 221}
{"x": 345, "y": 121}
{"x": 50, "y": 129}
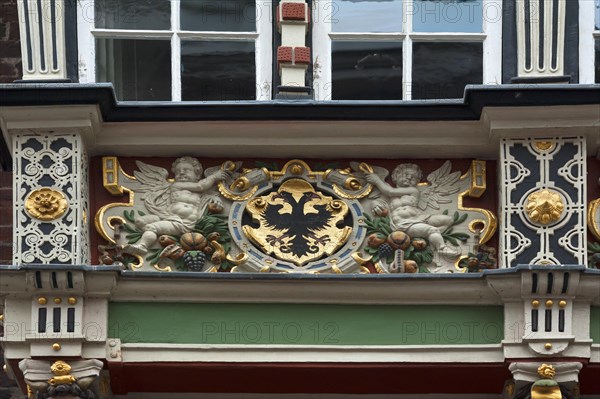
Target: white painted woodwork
{"x": 293, "y": 34}
{"x": 540, "y": 67}
{"x": 42, "y": 32}
{"x": 141, "y": 353}
{"x": 587, "y": 34}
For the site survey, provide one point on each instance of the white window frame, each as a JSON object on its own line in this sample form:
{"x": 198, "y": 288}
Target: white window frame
{"x": 588, "y": 34}
{"x": 491, "y": 37}
{"x": 87, "y": 33}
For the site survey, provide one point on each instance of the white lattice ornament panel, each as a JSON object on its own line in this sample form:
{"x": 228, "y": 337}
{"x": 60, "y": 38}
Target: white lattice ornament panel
{"x": 57, "y": 162}
{"x": 543, "y": 201}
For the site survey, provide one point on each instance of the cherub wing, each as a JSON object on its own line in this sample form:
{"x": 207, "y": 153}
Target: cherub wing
{"x": 153, "y": 184}
{"x": 442, "y": 184}
{"x": 383, "y": 173}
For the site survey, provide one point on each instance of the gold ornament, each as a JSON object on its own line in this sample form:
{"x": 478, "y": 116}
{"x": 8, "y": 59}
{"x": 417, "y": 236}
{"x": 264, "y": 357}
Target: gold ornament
{"x": 296, "y": 169}
{"x": 42, "y": 300}
{"x": 57, "y": 301}
{"x": 593, "y": 217}
{"x": 548, "y": 345}
{"x": 562, "y": 304}
{"x": 544, "y": 207}
{"x": 546, "y": 388}
{"x": 46, "y": 204}
{"x": 543, "y": 146}
{"x": 72, "y": 300}
{"x": 546, "y": 371}
{"x": 56, "y": 346}
{"x": 61, "y": 372}
{"x": 535, "y": 303}
{"x": 549, "y": 303}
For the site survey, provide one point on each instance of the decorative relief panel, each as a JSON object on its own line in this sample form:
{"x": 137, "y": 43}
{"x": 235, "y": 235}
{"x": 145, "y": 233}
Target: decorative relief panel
{"x": 593, "y": 216}
{"x": 295, "y": 219}
{"x": 543, "y": 201}
{"x": 50, "y": 197}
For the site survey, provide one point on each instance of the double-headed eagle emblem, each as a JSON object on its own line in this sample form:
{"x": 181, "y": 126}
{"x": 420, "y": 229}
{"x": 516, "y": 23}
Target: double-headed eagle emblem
{"x": 298, "y": 223}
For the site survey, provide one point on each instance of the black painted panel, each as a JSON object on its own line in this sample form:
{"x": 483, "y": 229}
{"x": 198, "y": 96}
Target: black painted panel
{"x": 563, "y": 256}
{"x": 572, "y": 40}
{"x": 567, "y": 152}
{"x": 522, "y": 154}
{"x": 72, "y": 53}
{"x": 509, "y": 41}
{"x": 525, "y": 257}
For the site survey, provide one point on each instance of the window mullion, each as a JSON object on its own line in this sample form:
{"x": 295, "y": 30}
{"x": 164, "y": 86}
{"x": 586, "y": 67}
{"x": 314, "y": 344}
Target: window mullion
{"x": 175, "y": 51}
{"x": 407, "y": 27}
{"x": 492, "y": 45}
{"x": 86, "y": 41}
{"x": 263, "y": 48}
{"x": 587, "y": 13}
{"x": 322, "y": 66}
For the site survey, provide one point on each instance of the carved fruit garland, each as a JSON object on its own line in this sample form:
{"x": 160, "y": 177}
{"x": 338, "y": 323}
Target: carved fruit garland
{"x": 210, "y": 240}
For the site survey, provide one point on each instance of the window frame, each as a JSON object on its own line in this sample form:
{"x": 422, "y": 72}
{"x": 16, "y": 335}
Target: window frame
{"x": 490, "y": 37}
{"x": 588, "y": 35}
{"x": 262, "y": 38}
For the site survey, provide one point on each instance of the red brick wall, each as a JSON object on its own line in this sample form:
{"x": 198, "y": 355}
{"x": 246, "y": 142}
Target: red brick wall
{"x": 10, "y": 45}
{"x": 5, "y": 218}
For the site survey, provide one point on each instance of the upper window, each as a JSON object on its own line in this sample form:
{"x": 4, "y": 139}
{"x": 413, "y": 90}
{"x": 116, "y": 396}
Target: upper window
{"x": 404, "y": 49}
{"x": 178, "y": 50}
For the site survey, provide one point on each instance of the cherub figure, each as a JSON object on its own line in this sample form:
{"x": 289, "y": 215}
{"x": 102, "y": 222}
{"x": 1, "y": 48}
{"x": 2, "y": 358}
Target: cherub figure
{"x": 176, "y": 206}
{"x": 408, "y": 202}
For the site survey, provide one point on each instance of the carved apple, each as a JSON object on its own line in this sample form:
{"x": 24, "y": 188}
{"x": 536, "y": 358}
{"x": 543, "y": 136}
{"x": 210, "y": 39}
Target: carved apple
{"x": 375, "y": 240}
{"x": 383, "y": 212}
{"x": 419, "y": 244}
{"x": 410, "y": 266}
{"x": 166, "y": 240}
{"x": 214, "y": 207}
{"x": 398, "y": 240}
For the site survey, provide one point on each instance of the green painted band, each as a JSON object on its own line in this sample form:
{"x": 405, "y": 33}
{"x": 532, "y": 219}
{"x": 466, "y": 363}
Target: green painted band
{"x": 595, "y": 324}
{"x": 300, "y": 324}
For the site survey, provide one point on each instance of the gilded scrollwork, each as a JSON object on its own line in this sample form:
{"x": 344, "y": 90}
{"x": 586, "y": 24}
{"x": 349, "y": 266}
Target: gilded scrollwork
{"x": 593, "y": 222}
{"x": 294, "y": 219}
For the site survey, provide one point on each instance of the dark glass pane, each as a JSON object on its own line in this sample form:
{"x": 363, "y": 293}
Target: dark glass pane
{"x": 133, "y": 14}
{"x": 211, "y": 15}
{"x": 451, "y": 15}
{"x": 217, "y": 71}
{"x": 140, "y": 70}
{"x": 363, "y": 15}
{"x": 367, "y": 70}
{"x": 597, "y": 14}
{"x": 441, "y": 70}
{"x": 597, "y": 68}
